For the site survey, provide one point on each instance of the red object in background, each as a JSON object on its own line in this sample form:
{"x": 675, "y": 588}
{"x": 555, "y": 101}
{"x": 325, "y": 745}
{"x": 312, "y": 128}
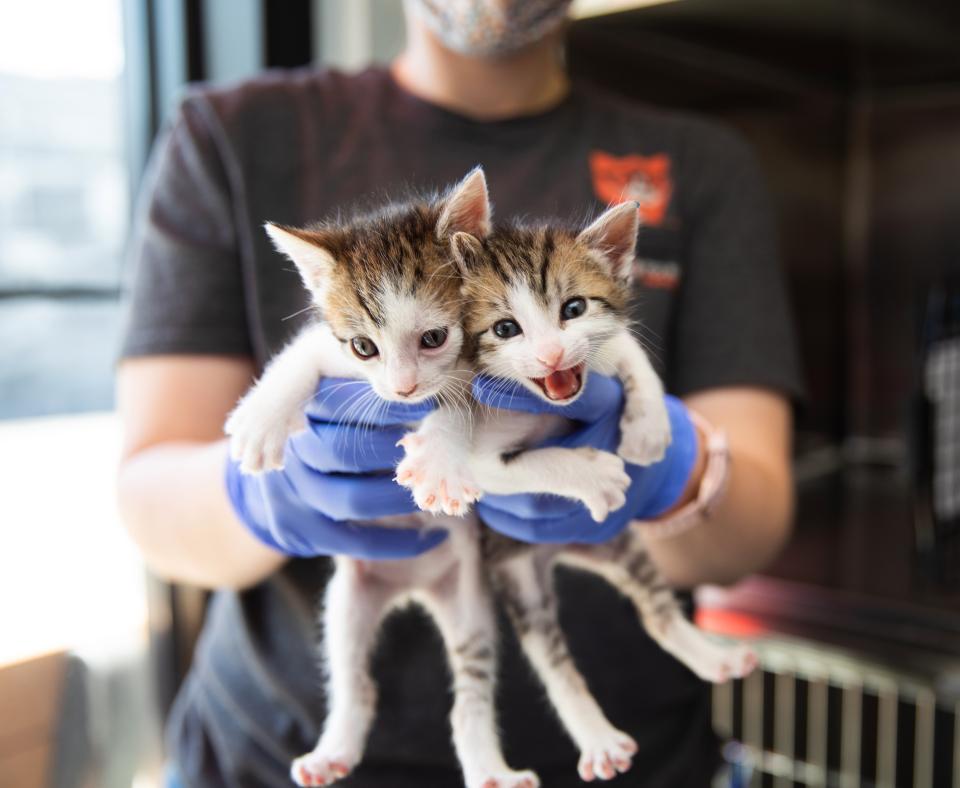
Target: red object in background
{"x": 729, "y": 623}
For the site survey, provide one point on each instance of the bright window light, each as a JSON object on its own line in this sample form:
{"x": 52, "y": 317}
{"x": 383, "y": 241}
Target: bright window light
{"x": 64, "y": 203}
{"x": 61, "y": 39}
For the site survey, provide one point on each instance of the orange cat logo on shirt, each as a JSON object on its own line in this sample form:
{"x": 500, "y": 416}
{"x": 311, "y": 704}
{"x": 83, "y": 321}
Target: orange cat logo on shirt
{"x": 645, "y": 179}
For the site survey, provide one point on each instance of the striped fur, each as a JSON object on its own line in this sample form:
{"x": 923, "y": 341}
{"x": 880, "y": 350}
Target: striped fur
{"x": 549, "y": 262}
{"x": 396, "y": 248}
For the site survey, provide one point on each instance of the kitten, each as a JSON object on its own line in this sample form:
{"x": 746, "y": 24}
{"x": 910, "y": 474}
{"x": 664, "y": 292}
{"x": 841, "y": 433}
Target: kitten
{"x": 544, "y": 307}
{"x": 388, "y": 289}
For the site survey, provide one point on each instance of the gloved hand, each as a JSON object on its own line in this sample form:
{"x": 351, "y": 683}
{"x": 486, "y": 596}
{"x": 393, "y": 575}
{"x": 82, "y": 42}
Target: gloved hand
{"x": 336, "y": 476}
{"x": 546, "y": 518}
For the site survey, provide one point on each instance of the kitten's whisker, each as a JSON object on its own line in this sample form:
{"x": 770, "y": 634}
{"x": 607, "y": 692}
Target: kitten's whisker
{"x": 644, "y": 334}
{"x": 332, "y": 390}
{"x": 307, "y": 308}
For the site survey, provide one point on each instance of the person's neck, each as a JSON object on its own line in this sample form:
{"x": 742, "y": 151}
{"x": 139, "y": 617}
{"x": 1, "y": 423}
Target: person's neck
{"x": 525, "y": 83}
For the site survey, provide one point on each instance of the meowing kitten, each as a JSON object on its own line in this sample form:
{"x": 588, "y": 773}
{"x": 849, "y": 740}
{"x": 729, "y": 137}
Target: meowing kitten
{"x": 544, "y": 307}
{"x": 389, "y": 295}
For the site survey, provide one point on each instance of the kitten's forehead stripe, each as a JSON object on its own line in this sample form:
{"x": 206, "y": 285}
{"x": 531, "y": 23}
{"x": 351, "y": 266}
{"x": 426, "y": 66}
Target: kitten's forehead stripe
{"x": 379, "y": 257}
{"x": 545, "y": 252}
{"x": 499, "y": 266}
{"x": 376, "y": 317}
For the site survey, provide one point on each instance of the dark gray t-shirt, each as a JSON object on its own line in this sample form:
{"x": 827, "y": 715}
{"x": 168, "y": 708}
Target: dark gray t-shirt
{"x": 295, "y": 147}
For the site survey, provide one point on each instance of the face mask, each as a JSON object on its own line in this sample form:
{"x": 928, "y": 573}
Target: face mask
{"x": 490, "y": 28}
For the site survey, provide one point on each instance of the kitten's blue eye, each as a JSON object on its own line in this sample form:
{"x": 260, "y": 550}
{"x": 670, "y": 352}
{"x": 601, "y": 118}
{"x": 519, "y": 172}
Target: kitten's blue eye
{"x": 573, "y": 308}
{"x": 363, "y": 347}
{"x": 505, "y": 329}
{"x": 433, "y": 338}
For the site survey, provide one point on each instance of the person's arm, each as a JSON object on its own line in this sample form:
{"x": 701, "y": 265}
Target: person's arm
{"x": 733, "y": 359}
{"x": 752, "y": 521}
{"x": 171, "y": 479}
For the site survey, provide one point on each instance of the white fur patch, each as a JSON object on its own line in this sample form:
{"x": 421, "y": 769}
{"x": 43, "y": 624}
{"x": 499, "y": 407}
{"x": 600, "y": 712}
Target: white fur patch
{"x": 403, "y": 363}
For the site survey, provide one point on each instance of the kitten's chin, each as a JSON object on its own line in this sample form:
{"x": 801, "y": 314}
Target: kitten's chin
{"x": 415, "y": 399}
{"x": 563, "y": 386}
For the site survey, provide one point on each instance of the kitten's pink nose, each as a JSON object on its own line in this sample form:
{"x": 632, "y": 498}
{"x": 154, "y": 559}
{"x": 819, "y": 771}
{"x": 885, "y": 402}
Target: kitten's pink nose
{"x": 550, "y": 357}
{"x": 408, "y": 392}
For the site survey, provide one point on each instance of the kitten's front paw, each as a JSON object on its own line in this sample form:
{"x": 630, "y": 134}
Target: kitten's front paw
{"x": 258, "y": 435}
{"x": 603, "y": 483}
{"x": 645, "y": 432}
{"x": 438, "y": 479}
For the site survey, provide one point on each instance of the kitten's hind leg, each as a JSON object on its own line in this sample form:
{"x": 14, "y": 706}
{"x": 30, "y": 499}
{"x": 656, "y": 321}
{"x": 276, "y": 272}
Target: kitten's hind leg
{"x": 626, "y": 564}
{"x": 353, "y": 607}
{"x": 462, "y": 608}
{"x": 525, "y": 585}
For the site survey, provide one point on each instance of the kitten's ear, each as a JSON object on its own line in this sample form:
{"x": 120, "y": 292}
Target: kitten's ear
{"x": 303, "y": 247}
{"x": 467, "y": 250}
{"x": 614, "y": 235}
{"x": 466, "y": 208}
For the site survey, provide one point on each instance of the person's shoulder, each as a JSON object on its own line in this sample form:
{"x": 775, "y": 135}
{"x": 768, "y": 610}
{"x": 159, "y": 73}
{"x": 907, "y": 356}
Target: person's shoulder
{"x": 279, "y": 94}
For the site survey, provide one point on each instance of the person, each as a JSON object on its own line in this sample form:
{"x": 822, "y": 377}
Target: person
{"x": 478, "y": 82}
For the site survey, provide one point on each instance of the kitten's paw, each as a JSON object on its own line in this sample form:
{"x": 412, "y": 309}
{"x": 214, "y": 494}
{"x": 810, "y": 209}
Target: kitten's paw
{"x": 525, "y": 779}
{"x": 731, "y": 662}
{"x": 316, "y": 769}
{"x": 604, "y": 483}
{"x": 606, "y": 755}
{"x": 645, "y": 433}
{"x": 258, "y": 435}
{"x": 439, "y": 480}
{"x": 709, "y": 660}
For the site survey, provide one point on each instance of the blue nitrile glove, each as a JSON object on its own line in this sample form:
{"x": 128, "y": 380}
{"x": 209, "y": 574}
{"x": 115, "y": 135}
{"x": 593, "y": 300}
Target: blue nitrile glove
{"x": 336, "y": 477}
{"x": 547, "y": 518}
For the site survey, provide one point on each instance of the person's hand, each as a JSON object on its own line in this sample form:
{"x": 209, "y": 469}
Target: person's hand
{"x": 337, "y": 476}
{"x": 654, "y": 489}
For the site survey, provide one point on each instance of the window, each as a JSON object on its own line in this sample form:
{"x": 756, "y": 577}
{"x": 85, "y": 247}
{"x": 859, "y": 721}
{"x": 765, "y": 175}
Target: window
{"x": 64, "y": 204}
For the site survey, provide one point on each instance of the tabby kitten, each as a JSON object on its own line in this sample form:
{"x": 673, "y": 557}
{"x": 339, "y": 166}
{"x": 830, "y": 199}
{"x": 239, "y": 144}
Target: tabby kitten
{"x": 544, "y": 307}
{"x": 388, "y": 290}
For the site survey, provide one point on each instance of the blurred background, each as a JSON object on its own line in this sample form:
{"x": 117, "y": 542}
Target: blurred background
{"x": 853, "y": 107}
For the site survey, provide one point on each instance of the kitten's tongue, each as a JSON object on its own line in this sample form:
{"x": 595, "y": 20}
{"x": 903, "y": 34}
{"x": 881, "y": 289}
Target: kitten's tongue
{"x": 561, "y": 384}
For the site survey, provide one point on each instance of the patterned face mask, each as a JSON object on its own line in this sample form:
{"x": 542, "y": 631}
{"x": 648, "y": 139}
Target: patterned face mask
{"x": 489, "y": 28}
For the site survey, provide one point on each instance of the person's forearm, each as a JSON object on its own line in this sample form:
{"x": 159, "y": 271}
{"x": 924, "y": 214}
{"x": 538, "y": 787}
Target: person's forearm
{"x": 752, "y": 521}
{"x": 174, "y": 503}
{"x": 742, "y": 535}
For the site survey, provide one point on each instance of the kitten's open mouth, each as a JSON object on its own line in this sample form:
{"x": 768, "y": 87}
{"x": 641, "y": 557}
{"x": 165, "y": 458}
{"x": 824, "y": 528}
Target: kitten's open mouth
{"x": 562, "y": 384}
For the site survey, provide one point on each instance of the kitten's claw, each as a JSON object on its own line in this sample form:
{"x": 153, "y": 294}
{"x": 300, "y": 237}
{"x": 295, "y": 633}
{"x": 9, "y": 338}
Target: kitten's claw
{"x": 609, "y": 754}
{"x": 437, "y": 478}
{"x": 410, "y": 441}
{"x": 603, "y": 486}
{"x": 645, "y": 431}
